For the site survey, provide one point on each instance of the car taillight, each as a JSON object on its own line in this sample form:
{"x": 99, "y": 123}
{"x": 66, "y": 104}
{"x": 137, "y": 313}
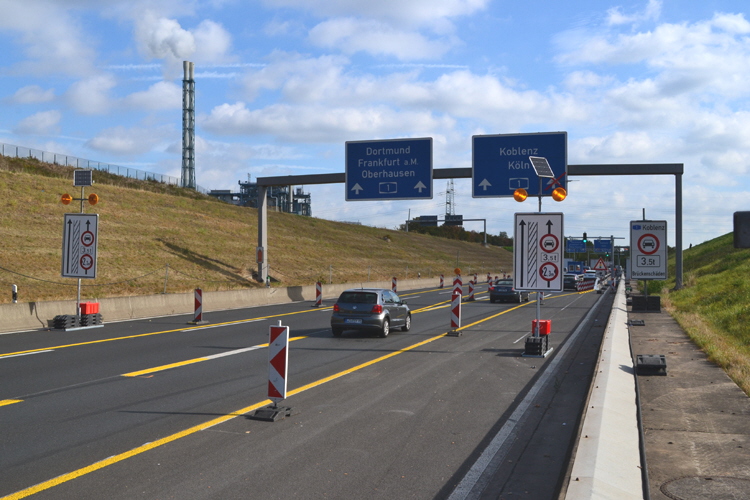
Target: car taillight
{"x": 335, "y": 308}
{"x": 377, "y": 309}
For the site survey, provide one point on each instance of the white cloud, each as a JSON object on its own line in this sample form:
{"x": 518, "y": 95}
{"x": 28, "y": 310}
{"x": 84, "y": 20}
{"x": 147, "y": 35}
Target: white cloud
{"x": 318, "y": 123}
{"x": 212, "y": 42}
{"x": 127, "y": 142}
{"x": 377, "y": 38}
{"x": 650, "y": 13}
{"x": 41, "y": 123}
{"x": 32, "y": 94}
{"x": 403, "y": 11}
{"x": 91, "y": 96}
{"x": 161, "y": 95}
{"x": 52, "y": 40}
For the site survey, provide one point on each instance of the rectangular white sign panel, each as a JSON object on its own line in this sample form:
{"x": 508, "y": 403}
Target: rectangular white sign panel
{"x": 648, "y": 249}
{"x": 80, "y": 240}
{"x": 538, "y": 252}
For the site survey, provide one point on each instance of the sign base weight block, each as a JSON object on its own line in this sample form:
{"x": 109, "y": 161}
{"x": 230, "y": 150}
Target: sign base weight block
{"x": 272, "y": 413}
{"x": 537, "y": 347}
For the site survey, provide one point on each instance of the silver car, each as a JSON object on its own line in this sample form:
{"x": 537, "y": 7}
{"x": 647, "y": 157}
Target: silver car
{"x": 370, "y": 309}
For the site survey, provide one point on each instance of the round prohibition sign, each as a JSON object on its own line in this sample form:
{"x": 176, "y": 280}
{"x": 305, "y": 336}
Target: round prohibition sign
{"x": 649, "y": 241}
{"x": 87, "y": 238}
{"x": 548, "y": 271}
{"x": 87, "y": 261}
{"x": 549, "y": 243}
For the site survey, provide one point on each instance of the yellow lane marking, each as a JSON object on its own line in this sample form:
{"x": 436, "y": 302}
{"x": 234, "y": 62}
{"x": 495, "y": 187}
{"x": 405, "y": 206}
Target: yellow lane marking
{"x": 164, "y": 367}
{"x": 155, "y": 333}
{"x": 6, "y": 402}
{"x": 192, "y": 430}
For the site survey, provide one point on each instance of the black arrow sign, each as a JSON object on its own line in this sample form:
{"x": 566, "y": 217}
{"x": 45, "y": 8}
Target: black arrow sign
{"x": 67, "y": 263}
{"x": 523, "y": 226}
{"x": 549, "y": 227}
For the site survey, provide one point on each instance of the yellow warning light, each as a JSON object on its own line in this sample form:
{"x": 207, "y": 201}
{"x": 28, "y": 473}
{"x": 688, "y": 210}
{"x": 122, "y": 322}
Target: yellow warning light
{"x": 559, "y": 194}
{"x": 520, "y": 194}
{"x": 66, "y": 199}
{"x": 457, "y": 271}
{"x": 93, "y": 199}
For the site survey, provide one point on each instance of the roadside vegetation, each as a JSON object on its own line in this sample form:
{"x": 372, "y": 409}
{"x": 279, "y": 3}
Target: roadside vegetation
{"x": 713, "y": 306}
{"x": 156, "y": 238}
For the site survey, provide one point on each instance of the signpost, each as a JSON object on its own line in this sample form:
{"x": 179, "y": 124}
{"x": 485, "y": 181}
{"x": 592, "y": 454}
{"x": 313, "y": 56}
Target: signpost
{"x": 396, "y": 169}
{"x": 79, "y": 245}
{"x": 648, "y": 246}
{"x": 575, "y": 246}
{"x": 538, "y": 252}
{"x": 501, "y": 163}
{"x": 603, "y": 246}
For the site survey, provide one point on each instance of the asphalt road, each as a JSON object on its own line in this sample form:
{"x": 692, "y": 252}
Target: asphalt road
{"x": 159, "y": 408}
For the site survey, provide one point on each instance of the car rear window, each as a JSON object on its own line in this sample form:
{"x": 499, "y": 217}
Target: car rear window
{"x": 359, "y": 298}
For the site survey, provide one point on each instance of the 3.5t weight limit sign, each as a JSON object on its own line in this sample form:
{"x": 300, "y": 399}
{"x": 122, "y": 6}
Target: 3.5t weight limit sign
{"x": 648, "y": 246}
{"x": 538, "y": 252}
{"x": 80, "y": 241}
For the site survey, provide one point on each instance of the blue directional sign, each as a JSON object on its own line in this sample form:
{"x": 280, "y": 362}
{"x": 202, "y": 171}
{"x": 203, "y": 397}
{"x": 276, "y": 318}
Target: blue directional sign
{"x": 395, "y": 169}
{"x": 575, "y": 246}
{"x": 501, "y": 163}
{"x": 602, "y": 245}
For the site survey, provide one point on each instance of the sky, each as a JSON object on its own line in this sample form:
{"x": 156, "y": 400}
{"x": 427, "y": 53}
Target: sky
{"x": 282, "y": 85}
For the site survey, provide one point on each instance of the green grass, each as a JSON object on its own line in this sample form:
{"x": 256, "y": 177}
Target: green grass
{"x": 714, "y": 304}
{"x": 150, "y": 231}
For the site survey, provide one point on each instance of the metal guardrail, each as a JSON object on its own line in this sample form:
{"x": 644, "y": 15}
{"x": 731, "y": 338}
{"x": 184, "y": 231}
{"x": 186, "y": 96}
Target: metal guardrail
{"x": 13, "y": 151}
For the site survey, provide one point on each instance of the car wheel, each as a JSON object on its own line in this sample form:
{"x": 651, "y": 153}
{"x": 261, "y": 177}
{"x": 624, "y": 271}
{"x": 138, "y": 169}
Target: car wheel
{"x": 407, "y": 325}
{"x": 336, "y": 332}
{"x": 386, "y": 328}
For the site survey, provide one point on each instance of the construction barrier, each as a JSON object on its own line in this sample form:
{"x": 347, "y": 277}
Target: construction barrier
{"x": 456, "y": 310}
{"x": 586, "y": 284}
{"x": 394, "y": 285}
{"x": 278, "y": 357}
{"x": 489, "y": 277}
{"x": 441, "y": 281}
{"x": 318, "y": 294}
{"x": 471, "y": 290}
{"x": 198, "y": 310}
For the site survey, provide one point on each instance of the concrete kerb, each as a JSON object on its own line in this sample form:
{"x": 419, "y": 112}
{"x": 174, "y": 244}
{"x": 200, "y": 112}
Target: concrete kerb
{"x": 607, "y": 461}
{"x": 38, "y": 315}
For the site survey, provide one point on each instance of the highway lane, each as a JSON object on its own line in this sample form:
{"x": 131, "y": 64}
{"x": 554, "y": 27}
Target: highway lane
{"x": 78, "y": 408}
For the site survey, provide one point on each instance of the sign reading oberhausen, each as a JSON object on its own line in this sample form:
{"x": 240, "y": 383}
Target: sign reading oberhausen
{"x": 501, "y": 164}
{"x": 395, "y": 169}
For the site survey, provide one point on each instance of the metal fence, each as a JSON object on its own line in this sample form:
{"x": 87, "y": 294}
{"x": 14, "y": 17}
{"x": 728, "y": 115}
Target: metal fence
{"x": 12, "y": 151}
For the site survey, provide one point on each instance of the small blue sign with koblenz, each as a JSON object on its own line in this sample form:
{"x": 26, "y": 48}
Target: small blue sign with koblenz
{"x": 394, "y": 169}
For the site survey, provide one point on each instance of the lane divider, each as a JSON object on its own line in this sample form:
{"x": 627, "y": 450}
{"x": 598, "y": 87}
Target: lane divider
{"x": 6, "y": 402}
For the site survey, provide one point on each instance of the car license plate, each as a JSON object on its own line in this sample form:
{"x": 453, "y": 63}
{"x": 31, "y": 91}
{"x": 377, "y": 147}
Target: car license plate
{"x": 353, "y": 321}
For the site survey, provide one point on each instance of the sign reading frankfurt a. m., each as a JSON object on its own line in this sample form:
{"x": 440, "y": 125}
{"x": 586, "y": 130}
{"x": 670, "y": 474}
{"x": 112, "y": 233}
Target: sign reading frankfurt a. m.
{"x": 396, "y": 169}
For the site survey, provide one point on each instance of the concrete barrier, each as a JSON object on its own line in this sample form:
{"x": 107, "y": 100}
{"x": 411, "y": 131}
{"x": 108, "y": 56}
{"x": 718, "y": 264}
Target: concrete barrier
{"x": 607, "y": 460}
{"x": 39, "y": 315}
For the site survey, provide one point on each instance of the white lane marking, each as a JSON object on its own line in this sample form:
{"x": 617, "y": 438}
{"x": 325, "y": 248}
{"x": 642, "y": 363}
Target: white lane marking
{"x": 25, "y": 354}
{"x": 236, "y": 351}
{"x": 194, "y": 329}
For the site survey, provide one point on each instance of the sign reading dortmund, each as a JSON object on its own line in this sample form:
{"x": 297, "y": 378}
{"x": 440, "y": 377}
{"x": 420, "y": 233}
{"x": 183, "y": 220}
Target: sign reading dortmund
{"x": 395, "y": 169}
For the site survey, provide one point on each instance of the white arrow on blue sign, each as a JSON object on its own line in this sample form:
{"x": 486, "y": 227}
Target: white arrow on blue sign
{"x": 394, "y": 169}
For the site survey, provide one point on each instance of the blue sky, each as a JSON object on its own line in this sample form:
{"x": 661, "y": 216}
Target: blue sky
{"x": 281, "y": 85}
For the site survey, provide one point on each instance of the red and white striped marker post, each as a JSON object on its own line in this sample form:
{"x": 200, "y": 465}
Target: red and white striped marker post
{"x": 456, "y": 297}
{"x": 278, "y": 358}
{"x": 394, "y": 285}
{"x": 441, "y": 281}
{"x": 471, "y": 290}
{"x": 198, "y": 313}
{"x": 318, "y": 294}
{"x": 475, "y": 278}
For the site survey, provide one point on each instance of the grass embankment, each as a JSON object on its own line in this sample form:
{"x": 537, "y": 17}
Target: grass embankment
{"x": 154, "y": 236}
{"x": 713, "y": 306}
